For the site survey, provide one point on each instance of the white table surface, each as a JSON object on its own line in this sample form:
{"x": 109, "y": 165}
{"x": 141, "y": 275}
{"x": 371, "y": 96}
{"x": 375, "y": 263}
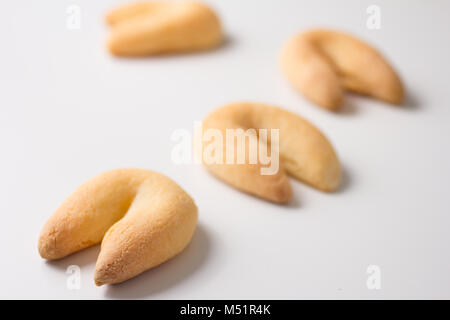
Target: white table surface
{"x": 69, "y": 110}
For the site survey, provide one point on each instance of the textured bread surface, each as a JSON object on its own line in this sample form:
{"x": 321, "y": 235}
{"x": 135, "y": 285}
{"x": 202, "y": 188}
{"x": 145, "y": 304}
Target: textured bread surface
{"x": 321, "y": 64}
{"x": 162, "y": 27}
{"x": 141, "y": 217}
{"x": 304, "y": 152}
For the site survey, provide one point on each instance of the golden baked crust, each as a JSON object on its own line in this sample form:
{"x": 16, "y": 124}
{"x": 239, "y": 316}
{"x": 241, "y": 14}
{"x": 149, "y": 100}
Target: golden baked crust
{"x": 160, "y": 27}
{"x": 305, "y": 153}
{"x": 321, "y": 64}
{"x": 143, "y": 217}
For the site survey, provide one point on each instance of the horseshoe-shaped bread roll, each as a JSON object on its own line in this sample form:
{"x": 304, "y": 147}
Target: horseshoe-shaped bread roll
{"x": 304, "y": 152}
{"x": 159, "y": 27}
{"x": 143, "y": 217}
{"x": 323, "y": 63}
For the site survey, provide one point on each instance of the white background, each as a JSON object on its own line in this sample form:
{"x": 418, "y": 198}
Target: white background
{"x": 69, "y": 111}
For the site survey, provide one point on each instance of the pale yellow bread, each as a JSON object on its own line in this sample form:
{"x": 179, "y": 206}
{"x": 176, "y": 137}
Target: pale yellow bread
{"x": 305, "y": 153}
{"x": 162, "y": 27}
{"x": 321, "y": 64}
{"x": 141, "y": 217}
